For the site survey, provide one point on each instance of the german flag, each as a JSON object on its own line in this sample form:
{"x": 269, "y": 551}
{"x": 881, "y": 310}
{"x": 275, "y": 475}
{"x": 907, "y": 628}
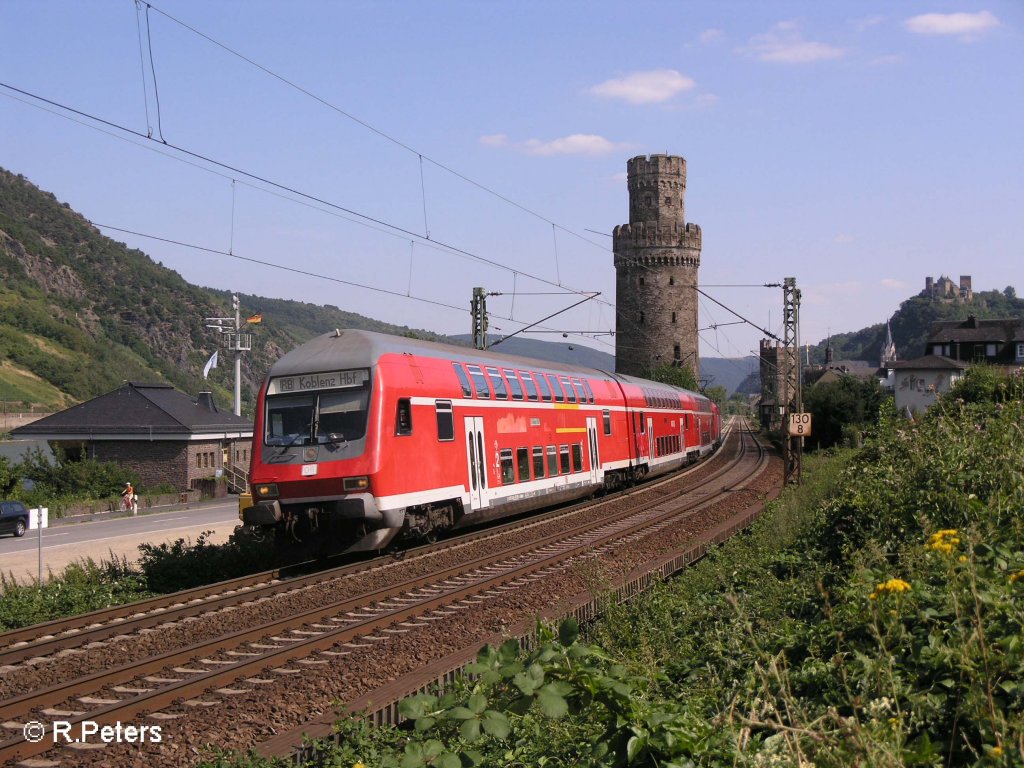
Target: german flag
{"x": 257, "y": 318}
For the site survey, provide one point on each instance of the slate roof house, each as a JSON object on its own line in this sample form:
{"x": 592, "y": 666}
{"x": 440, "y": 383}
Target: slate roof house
{"x": 997, "y": 342}
{"x": 918, "y": 383}
{"x": 164, "y": 436}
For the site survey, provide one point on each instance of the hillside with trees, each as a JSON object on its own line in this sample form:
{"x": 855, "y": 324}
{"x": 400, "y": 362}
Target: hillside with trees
{"x": 80, "y": 313}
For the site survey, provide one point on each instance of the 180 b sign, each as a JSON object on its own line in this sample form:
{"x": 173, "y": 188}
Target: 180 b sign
{"x": 799, "y": 424}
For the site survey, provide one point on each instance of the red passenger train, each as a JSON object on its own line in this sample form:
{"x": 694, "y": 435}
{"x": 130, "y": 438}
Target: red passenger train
{"x": 361, "y": 436}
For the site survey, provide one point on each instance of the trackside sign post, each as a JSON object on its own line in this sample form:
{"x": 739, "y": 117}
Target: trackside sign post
{"x": 37, "y": 520}
{"x": 799, "y": 424}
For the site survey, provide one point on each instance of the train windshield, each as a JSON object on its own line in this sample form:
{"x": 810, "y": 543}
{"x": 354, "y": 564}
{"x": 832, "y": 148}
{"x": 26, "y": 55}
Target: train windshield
{"x": 317, "y": 418}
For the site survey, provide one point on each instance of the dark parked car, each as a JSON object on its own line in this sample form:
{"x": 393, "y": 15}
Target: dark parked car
{"x": 13, "y": 517}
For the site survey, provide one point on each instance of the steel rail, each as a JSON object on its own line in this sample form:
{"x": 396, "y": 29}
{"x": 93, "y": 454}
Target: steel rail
{"x": 71, "y": 632}
{"x": 19, "y": 748}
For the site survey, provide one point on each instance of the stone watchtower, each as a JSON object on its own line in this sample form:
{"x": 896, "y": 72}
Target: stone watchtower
{"x": 656, "y": 259}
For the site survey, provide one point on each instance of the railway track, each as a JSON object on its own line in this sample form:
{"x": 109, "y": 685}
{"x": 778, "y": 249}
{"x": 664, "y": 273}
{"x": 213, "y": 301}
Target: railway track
{"x": 242, "y": 662}
{"x": 41, "y": 640}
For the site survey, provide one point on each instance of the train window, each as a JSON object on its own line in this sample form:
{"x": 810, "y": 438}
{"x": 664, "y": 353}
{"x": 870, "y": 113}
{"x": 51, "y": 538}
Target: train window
{"x": 513, "y": 384}
{"x": 581, "y": 394}
{"x": 552, "y": 461}
{"x": 530, "y": 384}
{"x": 445, "y": 420}
{"x": 590, "y": 392}
{"x": 577, "y": 457}
{"x": 686, "y": 420}
{"x": 467, "y": 390}
{"x": 569, "y": 394}
{"x": 403, "y": 418}
{"x": 523, "y": 464}
{"x": 472, "y": 459}
{"x": 479, "y": 381}
{"x": 500, "y": 391}
{"x": 607, "y": 415}
{"x": 643, "y": 423}
{"x": 542, "y": 384}
{"x": 563, "y": 459}
{"x": 508, "y": 472}
{"x": 538, "y": 462}
{"x": 556, "y": 388}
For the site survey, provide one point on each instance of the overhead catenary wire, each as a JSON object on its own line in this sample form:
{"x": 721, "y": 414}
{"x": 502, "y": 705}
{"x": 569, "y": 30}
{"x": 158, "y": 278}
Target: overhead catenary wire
{"x": 142, "y": 67}
{"x": 308, "y": 273}
{"x": 285, "y": 187}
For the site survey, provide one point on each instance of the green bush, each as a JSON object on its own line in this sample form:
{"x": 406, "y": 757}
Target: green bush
{"x": 82, "y": 587}
{"x": 183, "y": 564}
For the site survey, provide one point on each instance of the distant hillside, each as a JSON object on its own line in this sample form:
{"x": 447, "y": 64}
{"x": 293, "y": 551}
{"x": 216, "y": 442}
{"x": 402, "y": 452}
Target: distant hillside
{"x": 81, "y": 313}
{"x": 911, "y": 324}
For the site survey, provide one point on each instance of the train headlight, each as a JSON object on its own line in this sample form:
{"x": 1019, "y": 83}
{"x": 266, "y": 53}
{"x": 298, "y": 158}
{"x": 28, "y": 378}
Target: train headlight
{"x": 356, "y": 483}
{"x": 266, "y": 491}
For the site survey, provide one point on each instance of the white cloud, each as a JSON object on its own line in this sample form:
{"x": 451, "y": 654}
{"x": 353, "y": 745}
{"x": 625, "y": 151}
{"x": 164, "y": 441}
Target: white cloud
{"x": 711, "y": 35}
{"x": 844, "y": 238}
{"x": 784, "y": 43}
{"x": 648, "y": 87}
{"x": 867, "y": 22}
{"x": 886, "y": 60}
{"x": 576, "y": 144}
{"x": 707, "y": 100}
{"x": 494, "y": 140}
{"x": 889, "y": 282}
{"x": 966, "y": 26}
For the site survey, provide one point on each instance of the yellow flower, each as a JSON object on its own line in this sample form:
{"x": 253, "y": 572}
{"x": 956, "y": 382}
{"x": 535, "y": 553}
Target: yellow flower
{"x": 996, "y": 751}
{"x": 892, "y": 585}
{"x": 943, "y": 541}
{"x": 358, "y": 765}
{"x": 962, "y": 559}
{"x": 1017, "y": 576}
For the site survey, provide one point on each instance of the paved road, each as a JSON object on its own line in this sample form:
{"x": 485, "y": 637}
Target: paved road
{"x": 67, "y": 541}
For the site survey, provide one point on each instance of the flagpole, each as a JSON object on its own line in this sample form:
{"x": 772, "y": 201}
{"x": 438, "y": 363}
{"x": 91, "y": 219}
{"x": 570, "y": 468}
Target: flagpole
{"x": 238, "y": 358}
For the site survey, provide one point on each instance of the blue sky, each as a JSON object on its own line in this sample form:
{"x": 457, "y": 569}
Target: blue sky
{"x": 856, "y": 146}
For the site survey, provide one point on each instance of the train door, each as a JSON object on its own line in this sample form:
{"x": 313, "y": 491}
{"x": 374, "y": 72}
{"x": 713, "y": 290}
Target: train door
{"x": 650, "y": 440}
{"x": 595, "y": 458}
{"x": 682, "y": 434}
{"x": 476, "y": 461}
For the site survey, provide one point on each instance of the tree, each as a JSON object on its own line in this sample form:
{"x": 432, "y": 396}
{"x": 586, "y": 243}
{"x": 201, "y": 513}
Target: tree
{"x": 1010, "y": 292}
{"x": 717, "y": 393}
{"x": 841, "y": 407}
{"x": 675, "y": 376}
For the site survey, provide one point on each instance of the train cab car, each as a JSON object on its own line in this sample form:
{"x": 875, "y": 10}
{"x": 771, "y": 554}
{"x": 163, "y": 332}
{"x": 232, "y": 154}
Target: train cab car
{"x": 361, "y": 437}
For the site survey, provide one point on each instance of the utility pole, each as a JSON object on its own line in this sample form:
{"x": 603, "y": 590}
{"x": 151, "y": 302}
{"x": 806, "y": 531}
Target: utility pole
{"x": 478, "y": 310}
{"x": 236, "y": 341}
{"x": 792, "y": 377}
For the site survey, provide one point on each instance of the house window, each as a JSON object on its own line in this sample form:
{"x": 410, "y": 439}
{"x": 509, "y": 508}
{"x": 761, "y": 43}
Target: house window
{"x": 671, "y": 281}
{"x": 990, "y": 350}
{"x": 199, "y": 461}
{"x": 1020, "y": 351}
{"x": 673, "y": 317}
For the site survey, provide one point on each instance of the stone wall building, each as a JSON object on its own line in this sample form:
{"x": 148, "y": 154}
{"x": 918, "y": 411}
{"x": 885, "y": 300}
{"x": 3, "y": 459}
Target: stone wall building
{"x": 945, "y": 289}
{"x": 657, "y": 255}
{"x": 162, "y": 436}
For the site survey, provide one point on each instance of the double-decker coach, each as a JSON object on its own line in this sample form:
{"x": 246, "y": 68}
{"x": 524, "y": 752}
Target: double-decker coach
{"x": 362, "y": 436}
